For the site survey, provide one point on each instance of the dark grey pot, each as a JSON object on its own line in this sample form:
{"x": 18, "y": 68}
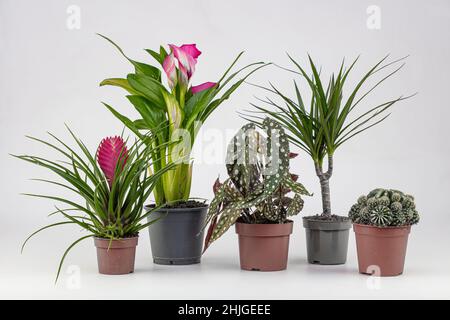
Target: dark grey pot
{"x": 177, "y": 238}
{"x": 326, "y": 241}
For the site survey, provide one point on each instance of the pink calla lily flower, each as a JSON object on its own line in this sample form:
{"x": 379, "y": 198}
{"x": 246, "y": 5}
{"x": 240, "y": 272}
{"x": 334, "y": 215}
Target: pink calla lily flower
{"x": 202, "y": 87}
{"x": 170, "y": 70}
{"x": 187, "y": 56}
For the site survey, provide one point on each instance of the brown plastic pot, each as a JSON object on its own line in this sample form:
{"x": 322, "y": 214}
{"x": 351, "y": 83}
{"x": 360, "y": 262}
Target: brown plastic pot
{"x": 264, "y": 247}
{"x": 381, "y": 251}
{"x": 117, "y": 256}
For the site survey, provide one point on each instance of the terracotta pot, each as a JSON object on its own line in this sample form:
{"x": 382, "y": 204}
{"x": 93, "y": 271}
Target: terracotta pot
{"x": 264, "y": 247}
{"x": 381, "y": 251}
{"x": 117, "y": 256}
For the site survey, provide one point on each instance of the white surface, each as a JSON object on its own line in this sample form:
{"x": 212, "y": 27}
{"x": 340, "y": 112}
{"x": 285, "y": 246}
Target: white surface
{"x": 50, "y": 75}
{"x": 219, "y": 277}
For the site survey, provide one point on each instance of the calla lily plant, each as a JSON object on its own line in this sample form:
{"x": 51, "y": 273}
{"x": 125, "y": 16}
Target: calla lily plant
{"x": 173, "y": 110}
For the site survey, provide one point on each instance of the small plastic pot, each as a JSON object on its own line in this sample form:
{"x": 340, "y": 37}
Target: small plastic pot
{"x": 327, "y": 241}
{"x": 177, "y": 237}
{"x": 264, "y": 247}
{"x": 381, "y": 251}
{"x": 117, "y": 256}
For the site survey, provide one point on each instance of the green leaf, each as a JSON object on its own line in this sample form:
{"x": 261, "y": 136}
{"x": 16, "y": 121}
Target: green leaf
{"x": 152, "y": 116}
{"x": 42, "y": 229}
{"x": 127, "y": 122}
{"x": 119, "y": 82}
{"x": 140, "y": 68}
{"x": 67, "y": 251}
{"x": 149, "y": 88}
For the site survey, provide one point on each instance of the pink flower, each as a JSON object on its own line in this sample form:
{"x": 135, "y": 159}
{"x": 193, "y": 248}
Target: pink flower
{"x": 203, "y": 86}
{"x": 110, "y": 151}
{"x": 170, "y": 70}
{"x": 187, "y": 56}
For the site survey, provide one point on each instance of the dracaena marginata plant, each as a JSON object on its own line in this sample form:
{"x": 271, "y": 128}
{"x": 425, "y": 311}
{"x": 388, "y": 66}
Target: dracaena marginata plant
{"x": 329, "y": 120}
{"x": 174, "y": 112}
{"x": 260, "y": 187}
{"x": 113, "y": 184}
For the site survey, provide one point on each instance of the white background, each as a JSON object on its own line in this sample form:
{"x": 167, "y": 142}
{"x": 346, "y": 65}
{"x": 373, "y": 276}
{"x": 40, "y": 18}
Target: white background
{"x": 49, "y": 76}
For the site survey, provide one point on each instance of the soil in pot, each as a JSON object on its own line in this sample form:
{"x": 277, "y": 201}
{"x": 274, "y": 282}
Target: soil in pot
{"x": 117, "y": 256}
{"x": 177, "y": 237}
{"x": 327, "y": 239}
{"x": 381, "y": 251}
{"x": 264, "y": 247}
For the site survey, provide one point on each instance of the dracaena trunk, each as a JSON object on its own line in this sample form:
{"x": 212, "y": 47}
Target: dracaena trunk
{"x": 324, "y": 178}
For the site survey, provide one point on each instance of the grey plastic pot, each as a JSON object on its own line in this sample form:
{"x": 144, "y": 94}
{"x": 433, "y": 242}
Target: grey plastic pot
{"x": 177, "y": 238}
{"x": 326, "y": 241}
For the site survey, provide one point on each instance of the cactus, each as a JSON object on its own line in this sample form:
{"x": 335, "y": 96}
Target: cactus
{"x": 259, "y": 183}
{"x": 385, "y": 208}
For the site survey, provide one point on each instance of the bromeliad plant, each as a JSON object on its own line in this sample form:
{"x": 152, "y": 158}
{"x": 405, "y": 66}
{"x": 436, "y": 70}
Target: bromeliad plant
{"x": 114, "y": 184}
{"x": 328, "y": 122}
{"x": 174, "y": 113}
{"x": 257, "y": 190}
{"x": 385, "y": 208}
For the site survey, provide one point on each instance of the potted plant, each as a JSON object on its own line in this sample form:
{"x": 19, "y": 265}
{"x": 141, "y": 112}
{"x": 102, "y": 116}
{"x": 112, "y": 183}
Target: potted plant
{"x": 256, "y": 198}
{"x": 382, "y": 222}
{"x": 320, "y": 129}
{"x": 174, "y": 115}
{"x": 113, "y": 185}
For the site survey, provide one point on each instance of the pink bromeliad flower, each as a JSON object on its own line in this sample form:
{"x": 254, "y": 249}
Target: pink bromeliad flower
{"x": 110, "y": 151}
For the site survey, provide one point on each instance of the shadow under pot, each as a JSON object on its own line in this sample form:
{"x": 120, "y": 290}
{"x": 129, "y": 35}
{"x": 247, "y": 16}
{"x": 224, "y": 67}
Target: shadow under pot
{"x": 177, "y": 237}
{"x": 381, "y": 251}
{"x": 116, "y": 257}
{"x": 327, "y": 241}
{"x": 264, "y": 247}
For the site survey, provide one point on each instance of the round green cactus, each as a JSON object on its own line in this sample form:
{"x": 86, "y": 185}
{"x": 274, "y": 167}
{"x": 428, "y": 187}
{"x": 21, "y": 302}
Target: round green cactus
{"x": 396, "y": 197}
{"x": 384, "y": 201}
{"x": 362, "y": 200}
{"x": 385, "y": 208}
{"x": 381, "y": 216}
{"x": 400, "y": 218}
{"x": 372, "y": 202}
{"x": 396, "y": 206}
{"x": 354, "y": 211}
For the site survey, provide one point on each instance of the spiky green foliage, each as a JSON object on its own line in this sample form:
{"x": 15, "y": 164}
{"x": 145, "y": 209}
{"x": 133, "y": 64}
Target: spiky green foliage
{"x": 385, "y": 208}
{"x": 111, "y": 209}
{"x": 259, "y": 183}
{"x": 173, "y": 117}
{"x": 330, "y": 120}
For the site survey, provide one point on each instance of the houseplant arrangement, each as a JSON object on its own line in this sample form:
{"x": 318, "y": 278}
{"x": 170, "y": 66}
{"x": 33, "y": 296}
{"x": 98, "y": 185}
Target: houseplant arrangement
{"x": 320, "y": 129}
{"x": 256, "y": 198}
{"x": 113, "y": 185}
{"x": 175, "y": 114}
{"x": 382, "y": 222}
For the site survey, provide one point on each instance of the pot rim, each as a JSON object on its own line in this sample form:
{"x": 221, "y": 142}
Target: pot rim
{"x": 267, "y": 224}
{"x": 381, "y": 232}
{"x": 382, "y": 228}
{"x": 324, "y": 225}
{"x": 122, "y": 243}
{"x": 148, "y": 206}
{"x": 264, "y": 229}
